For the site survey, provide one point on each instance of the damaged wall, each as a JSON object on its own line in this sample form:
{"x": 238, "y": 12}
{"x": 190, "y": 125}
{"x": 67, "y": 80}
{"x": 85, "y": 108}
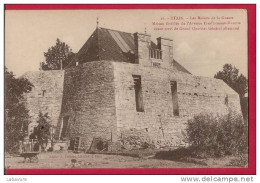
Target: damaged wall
{"x": 46, "y": 95}
{"x": 98, "y": 101}
{"x": 195, "y": 95}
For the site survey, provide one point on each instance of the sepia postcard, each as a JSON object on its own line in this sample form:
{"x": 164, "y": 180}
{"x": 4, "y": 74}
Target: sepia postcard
{"x": 137, "y": 88}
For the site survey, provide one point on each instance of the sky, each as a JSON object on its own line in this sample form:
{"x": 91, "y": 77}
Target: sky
{"x": 29, "y": 33}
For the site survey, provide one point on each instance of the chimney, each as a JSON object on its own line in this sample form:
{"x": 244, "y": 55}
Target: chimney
{"x": 142, "y": 44}
{"x": 166, "y": 46}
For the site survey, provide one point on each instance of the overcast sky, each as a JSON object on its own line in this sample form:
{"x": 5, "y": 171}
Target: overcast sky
{"x": 30, "y": 33}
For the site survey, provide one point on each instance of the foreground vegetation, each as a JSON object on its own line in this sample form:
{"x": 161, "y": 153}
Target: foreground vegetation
{"x": 212, "y": 136}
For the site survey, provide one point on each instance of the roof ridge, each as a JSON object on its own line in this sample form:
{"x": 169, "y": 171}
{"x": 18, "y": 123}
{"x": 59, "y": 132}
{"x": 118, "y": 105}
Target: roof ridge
{"x": 115, "y": 30}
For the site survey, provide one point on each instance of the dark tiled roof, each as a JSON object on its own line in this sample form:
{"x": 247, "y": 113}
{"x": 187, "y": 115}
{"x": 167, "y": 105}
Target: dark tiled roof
{"x": 107, "y": 44}
{"x": 90, "y": 50}
{"x": 116, "y": 45}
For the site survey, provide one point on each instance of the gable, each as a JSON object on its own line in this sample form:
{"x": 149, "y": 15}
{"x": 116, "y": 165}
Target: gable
{"x": 112, "y": 45}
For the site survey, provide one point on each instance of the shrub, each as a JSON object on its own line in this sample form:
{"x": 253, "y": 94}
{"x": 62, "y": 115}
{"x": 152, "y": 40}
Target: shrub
{"x": 42, "y": 131}
{"x": 244, "y": 107}
{"x": 215, "y": 136}
{"x": 240, "y": 161}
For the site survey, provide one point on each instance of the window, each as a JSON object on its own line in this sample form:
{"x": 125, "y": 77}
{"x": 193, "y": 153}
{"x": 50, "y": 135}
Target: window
{"x": 174, "y": 98}
{"x": 43, "y": 92}
{"x": 156, "y": 53}
{"x": 138, "y": 93}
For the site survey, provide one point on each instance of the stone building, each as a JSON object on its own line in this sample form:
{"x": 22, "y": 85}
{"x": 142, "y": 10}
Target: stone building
{"x": 45, "y": 97}
{"x": 123, "y": 87}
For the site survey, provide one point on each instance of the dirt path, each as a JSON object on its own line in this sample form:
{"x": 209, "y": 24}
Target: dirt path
{"x": 63, "y": 160}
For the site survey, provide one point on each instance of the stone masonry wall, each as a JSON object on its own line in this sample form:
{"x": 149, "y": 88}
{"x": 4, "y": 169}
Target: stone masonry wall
{"x": 46, "y": 95}
{"x": 99, "y": 100}
{"x": 157, "y": 122}
{"x": 89, "y": 102}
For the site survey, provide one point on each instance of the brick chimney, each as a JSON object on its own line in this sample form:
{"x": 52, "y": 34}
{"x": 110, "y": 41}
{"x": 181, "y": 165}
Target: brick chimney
{"x": 166, "y": 46}
{"x": 143, "y": 44}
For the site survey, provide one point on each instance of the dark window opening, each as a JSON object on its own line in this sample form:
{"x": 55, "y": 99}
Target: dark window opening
{"x": 43, "y": 92}
{"x": 138, "y": 93}
{"x": 174, "y": 98}
{"x": 156, "y": 53}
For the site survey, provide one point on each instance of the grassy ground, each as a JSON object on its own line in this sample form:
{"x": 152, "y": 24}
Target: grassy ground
{"x": 134, "y": 159}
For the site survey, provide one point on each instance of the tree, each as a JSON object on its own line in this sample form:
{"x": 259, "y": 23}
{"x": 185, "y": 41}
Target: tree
{"x": 42, "y": 131}
{"x": 16, "y": 114}
{"x": 209, "y": 135}
{"x": 239, "y": 83}
{"x": 57, "y": 57}
{"x": 230, "y": 75}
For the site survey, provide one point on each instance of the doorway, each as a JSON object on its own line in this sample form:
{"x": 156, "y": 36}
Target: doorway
{"x": 64, "y": 126}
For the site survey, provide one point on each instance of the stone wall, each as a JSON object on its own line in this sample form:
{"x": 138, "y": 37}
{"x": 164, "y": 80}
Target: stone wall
{"x": 98, "y": 98}
{"x": 46, "y": 95}
{"x": 195, "y": 95}
{"x": 143, "y": 44}
{"x": 89, "y": 102}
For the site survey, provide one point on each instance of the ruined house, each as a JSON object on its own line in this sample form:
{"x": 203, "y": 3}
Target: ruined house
{"x": 122, "y": 85}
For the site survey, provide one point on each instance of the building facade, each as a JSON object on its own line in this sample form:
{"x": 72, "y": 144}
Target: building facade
{"x": 126, "y": 89}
